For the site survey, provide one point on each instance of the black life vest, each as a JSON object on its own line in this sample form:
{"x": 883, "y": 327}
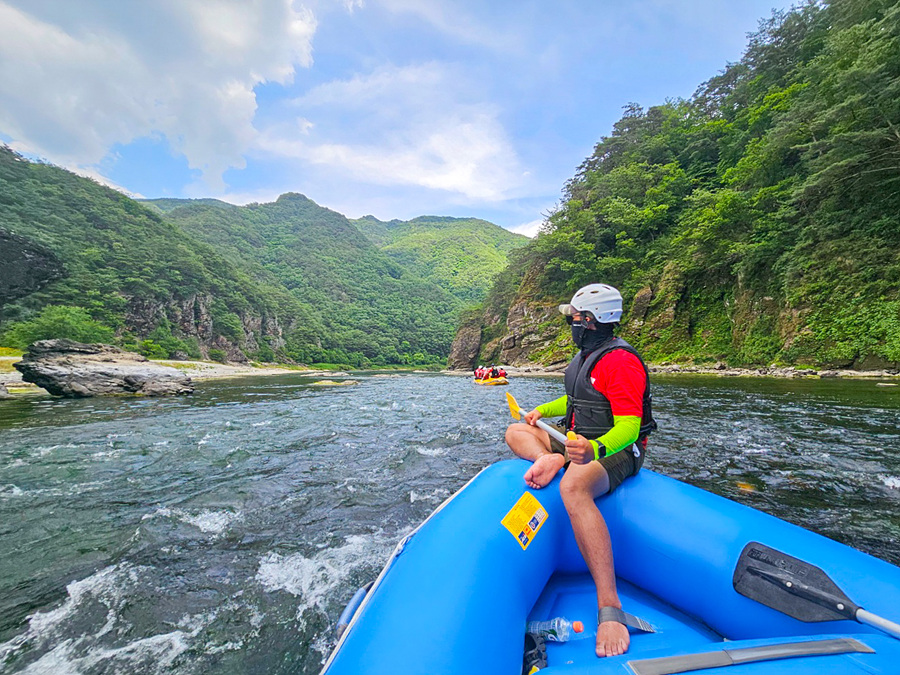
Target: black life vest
{"x": 588, "y": 412}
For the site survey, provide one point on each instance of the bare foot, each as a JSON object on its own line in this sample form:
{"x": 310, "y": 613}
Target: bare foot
{"x": 544, "y": 469}
{"x": 612, "y": 639}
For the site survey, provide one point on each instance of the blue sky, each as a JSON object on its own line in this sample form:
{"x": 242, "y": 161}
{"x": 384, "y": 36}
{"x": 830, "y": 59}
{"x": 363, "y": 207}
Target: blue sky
{"x": 394, "y": 108}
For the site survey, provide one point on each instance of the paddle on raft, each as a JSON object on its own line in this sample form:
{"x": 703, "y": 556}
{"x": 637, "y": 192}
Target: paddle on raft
{"x": 798, "y": 589}
{"x": 517, "y": 413}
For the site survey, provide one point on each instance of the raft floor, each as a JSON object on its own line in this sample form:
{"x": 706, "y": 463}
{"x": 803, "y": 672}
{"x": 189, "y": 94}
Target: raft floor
{"x": 574, "y": 597}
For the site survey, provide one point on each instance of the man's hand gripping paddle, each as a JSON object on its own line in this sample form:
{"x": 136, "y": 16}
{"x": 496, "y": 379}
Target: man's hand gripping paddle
{"x": 517, "y": 413}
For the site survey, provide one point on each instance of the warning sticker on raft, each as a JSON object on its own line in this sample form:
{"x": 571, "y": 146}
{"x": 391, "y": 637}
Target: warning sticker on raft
{"x": 525, "y": 519}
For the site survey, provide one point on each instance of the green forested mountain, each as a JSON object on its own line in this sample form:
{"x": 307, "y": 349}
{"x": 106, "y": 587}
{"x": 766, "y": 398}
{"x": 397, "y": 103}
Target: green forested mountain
{"x": 366, "y": 302}
{"x": 287, "y": 280}
{"x": 120, "y": 266}
{"x": 758, "y": 221}
{"x": 461, "y": 255}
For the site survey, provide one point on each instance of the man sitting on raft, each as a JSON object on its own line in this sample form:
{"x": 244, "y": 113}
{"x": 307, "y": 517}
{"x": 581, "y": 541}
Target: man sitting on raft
{"x": 607, "y": 405}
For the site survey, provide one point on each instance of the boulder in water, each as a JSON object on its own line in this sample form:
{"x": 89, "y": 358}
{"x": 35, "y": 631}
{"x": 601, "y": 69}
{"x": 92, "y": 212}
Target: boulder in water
{"x": 72, "y": 369}
{"x": 334, "y": 383}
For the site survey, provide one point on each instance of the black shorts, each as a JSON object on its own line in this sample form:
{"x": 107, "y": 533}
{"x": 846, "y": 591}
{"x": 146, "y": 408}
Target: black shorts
{"x": 619, "y": 466}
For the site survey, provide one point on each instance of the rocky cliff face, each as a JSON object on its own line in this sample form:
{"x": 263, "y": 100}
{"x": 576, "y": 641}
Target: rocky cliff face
{"x": 528, "y": 332}
{"x": 669, "y": 321}
{"x": 532, "y": 334}
{"x": 193, "y": 318}
{"x": 466, "y": 347}
{"x": 24, "y": 267}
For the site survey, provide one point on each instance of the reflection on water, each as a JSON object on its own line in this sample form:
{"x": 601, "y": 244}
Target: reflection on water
{"x": 223, "y": 532}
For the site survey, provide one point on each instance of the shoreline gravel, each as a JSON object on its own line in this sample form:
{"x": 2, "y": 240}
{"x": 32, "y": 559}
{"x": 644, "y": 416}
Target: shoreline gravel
{"x": 203, "y": 370}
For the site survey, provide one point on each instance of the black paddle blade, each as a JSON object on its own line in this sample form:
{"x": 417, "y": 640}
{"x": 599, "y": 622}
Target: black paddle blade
{"x": 790, "y": 585}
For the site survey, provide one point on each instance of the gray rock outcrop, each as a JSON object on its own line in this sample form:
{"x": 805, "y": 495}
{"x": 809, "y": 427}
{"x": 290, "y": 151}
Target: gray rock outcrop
{"x": 465, "y": 347}
{"x": 4, "y": 393}
{"x": 72, "y": 369}
{"x": 192, "y": 317}
{"x": 532, "y": 327}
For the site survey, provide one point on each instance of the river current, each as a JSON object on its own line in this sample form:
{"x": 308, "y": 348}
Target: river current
{"x": 224, "y": 532}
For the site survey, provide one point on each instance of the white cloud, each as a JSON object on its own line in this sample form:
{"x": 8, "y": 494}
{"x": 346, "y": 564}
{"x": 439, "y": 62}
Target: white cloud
{"x": 463, "y": 26}
{"x": 528, "y": 229}
{"x": 262, "y": 196}
{"x": 352, "y": 5}
{"x": 415, "y": 84}
{"x": 74, "y": 85}
{"x": 411, "y": 126}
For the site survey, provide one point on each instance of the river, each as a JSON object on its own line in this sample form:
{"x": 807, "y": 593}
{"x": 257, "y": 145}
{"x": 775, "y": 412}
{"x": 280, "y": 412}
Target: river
{"x": 224, "y": 532}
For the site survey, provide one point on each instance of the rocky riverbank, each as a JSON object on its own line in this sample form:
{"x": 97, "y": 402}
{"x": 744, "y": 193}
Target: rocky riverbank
{"x": 773, "y": 371}
{"x": 718, "y": 369}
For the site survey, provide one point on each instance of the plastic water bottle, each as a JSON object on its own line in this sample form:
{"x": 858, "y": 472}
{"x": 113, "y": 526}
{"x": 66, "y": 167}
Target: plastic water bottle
{"x": 559, "y": 629}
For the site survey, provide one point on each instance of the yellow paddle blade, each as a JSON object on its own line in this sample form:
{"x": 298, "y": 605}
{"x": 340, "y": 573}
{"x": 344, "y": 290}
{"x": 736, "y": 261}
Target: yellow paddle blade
{"x": 513, "y": 406}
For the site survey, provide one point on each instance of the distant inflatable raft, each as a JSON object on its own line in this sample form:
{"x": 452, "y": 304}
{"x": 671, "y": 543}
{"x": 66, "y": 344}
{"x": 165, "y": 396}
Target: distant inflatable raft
{"x": 455, "y": 595}
{"x": 488, "y": 381}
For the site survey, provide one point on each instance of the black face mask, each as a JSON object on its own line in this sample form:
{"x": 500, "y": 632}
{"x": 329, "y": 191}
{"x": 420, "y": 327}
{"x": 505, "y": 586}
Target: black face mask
{"x": 589, "y": 339}
{"x": 578, "y": 331}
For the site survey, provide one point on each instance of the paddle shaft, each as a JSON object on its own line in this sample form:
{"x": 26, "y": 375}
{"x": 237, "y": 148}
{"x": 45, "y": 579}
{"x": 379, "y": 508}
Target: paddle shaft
{"x": 553, "y": 431}
{"x": 879, "y": 622}
{"x": 847, "y": 608}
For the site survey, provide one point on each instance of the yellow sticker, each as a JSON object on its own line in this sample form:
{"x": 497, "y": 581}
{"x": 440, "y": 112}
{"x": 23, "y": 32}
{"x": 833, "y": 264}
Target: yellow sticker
{"x": 525, "y": 519}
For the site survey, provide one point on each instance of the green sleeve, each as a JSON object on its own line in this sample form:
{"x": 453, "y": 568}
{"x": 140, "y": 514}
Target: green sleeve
{"x": 625, "y": 431}
{"x": 555, "y": 408}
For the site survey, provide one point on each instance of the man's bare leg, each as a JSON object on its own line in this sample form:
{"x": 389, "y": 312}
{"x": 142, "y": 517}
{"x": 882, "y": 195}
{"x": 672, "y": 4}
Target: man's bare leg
{"x": 533, "y": 444}
{"x": 579, "y": 487}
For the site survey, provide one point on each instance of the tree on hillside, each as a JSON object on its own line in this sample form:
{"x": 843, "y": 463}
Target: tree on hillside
{"x": 757, "y": 220}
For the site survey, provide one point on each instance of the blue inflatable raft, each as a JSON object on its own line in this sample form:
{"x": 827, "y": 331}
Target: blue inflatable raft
{"x": 457, "y": 592}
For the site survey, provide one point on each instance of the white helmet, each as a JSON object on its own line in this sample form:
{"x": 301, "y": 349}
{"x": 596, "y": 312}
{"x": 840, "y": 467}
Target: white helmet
{"x": 603, "y": 301}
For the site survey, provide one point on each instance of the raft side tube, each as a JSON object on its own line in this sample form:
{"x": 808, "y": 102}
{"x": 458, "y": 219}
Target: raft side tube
{"x": 456, "y": 597}
{"x": 681, "y": 544}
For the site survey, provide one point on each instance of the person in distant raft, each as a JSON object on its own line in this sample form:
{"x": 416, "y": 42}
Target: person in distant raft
{"x": 607, "y": 405}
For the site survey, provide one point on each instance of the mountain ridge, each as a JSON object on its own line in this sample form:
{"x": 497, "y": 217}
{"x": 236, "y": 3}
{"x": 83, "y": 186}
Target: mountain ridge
{"x": 462, "y": 255}
{"x": 287, "y": 280}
